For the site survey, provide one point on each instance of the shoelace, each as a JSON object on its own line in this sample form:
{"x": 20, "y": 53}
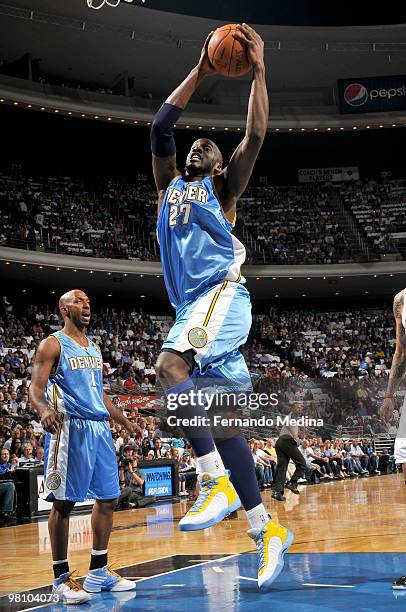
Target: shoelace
{"x": 112, "y": 571}
{"x": 206, "y": 488}
{"x": 259, "y": 541}
{"x": 72, "y": 583}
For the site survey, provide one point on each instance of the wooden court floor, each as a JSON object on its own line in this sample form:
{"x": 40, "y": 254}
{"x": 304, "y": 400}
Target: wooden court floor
{"x": 364, "y": 515}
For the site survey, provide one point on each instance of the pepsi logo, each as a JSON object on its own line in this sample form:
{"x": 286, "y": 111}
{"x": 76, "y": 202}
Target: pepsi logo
{"x": 355, "y": 94}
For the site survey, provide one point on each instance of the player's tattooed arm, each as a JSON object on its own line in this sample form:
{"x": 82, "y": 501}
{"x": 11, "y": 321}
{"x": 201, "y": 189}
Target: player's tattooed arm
{"x": 398, "y": 368}
{"x": 45, "y": 361}
{"x": 234, "y": 179}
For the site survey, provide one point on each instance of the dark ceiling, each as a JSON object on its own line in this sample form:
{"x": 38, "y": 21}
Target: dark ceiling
{"x": 288, "y": 12}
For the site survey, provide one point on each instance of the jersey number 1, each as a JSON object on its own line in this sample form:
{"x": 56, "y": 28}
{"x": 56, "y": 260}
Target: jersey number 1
{"x": 182, "y": 211}
{"x": 93, "y": 378}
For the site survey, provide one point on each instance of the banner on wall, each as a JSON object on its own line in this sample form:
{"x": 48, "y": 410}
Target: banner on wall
{"x": 142, "y": 402}
{"x": 372, "y": 94}
{"x": 328, "y": 175}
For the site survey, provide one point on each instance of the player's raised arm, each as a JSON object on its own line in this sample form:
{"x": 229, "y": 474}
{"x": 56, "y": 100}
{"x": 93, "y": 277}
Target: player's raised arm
{"x": 234, "y": 179}
{"x": 398, "y": 368}
{"x": 162, "y": 141}
{"x": 46, "y": 358}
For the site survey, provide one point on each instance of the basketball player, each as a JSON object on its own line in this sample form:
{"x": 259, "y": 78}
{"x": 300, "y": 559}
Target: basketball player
{"x": 80, "y": 460}
{"x": 397, "y": 373}
{"x": 201, "y": 262}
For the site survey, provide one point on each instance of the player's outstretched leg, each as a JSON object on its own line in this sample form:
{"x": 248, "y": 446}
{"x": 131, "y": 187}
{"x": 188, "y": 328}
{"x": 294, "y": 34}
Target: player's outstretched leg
{"x": 271, "y": 539}
{"x": 217, "y": 497}
{"x": 101, "y": 577}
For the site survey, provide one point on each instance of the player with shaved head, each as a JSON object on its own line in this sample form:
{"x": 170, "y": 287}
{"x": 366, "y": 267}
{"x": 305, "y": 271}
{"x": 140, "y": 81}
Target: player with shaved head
{"x": 80, "y": 460}
{"x": 201, "y": 262}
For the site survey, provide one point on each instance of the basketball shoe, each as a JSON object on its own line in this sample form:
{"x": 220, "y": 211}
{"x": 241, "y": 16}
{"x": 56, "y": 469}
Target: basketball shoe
{"x": 216, "y": 500}
{"x": 106, "y": 579}
{"x": 272, "y": 541}
{"x": 68, "y": 590}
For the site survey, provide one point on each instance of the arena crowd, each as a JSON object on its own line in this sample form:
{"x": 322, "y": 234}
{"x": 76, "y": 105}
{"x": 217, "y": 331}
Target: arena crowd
{"x": 279, "y": 225}
{"x": 334, "y": 363}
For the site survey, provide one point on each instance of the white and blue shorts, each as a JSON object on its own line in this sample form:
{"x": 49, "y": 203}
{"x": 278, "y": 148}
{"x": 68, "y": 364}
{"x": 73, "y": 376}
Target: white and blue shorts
{"x": 80, "y": 462}
{"x": 214, "y": 326}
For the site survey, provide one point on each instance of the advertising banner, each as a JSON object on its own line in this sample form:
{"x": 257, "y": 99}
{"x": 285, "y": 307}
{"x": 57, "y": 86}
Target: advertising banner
{"x": 142, "y": 402}
{"x": 158, "y": 480}
{"x": 372, "y": 94}
{"x": 328, "y": 175}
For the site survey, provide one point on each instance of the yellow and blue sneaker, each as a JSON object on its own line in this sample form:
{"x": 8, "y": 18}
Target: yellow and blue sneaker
{"x": 217, "y": 499}
{"x": 106, "y": 579}
{"x": 272, "y": 541}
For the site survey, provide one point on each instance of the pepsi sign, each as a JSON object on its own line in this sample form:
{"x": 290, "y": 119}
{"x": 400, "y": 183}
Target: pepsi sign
{"x": 371, "y": 95}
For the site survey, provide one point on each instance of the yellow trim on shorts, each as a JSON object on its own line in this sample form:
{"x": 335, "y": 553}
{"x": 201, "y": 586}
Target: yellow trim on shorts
{"x": 213, "y": 303}
{"x": 58, "y": 439}
{"x": 58, "y": 435}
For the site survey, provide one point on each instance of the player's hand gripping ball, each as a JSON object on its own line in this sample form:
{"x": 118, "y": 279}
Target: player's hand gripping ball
{"x": 227, "y": 51}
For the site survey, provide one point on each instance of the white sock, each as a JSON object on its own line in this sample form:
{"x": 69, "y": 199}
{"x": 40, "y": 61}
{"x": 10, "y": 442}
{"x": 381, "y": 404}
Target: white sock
{"x": 99, "y": 552}
{"x": 257, "y": 517}
{"x": 211, "y": 463}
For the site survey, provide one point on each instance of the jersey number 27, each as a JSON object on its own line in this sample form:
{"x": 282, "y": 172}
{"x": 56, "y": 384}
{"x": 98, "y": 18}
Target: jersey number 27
{"x": 179, "y": 211}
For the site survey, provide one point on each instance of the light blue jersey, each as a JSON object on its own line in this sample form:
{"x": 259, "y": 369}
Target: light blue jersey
{"x": 197, "y": 247}
{"x": 80, "y": 458}
{"x": 76, "y": 388}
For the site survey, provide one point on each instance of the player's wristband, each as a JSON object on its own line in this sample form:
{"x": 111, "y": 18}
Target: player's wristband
{"x": 162, "y": 140}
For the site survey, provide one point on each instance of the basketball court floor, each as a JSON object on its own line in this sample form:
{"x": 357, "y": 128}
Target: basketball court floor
{"x": 350, "y": 542}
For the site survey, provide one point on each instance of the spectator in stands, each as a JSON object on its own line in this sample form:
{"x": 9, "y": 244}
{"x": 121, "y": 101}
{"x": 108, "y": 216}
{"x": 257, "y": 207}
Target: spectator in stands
{"x": 259, "y": 466}
{"x": 27, "y": 455}
{"x": 157, "y": 448}
{"x": 268, "y": 462}
{"x": 7, "y": 487}
{"x": 369, "y": 452}
{"x": 360, "y": 459}
{"x": 5, "y": 462}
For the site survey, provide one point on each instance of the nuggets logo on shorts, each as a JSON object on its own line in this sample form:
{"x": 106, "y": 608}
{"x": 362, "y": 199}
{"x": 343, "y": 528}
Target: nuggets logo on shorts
{"x": 197, "y": 337}
{"x": 53, "y": 481}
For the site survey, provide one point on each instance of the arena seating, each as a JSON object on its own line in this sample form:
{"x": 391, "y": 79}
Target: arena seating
{"x": 278, "y": 225}
{"x": 380, "y": 210}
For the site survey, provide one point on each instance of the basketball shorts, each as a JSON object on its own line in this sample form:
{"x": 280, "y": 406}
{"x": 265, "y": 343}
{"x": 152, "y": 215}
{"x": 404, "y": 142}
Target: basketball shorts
{"x": 80, "y": 462}
{"x": 400, "y": 450}
{"x": 214, "y": 326}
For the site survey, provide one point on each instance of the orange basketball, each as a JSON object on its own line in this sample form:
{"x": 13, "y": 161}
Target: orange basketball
{"x": 226, "y": 54}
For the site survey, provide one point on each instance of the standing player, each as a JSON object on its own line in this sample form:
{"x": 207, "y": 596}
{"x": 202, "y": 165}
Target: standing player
{"x": 80, "y": 460}
{"x": 397, "y": 373}
{"x": 201, "y": 262}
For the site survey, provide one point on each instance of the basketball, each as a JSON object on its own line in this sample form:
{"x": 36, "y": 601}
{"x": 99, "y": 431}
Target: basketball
{"x": 226, "y": 54}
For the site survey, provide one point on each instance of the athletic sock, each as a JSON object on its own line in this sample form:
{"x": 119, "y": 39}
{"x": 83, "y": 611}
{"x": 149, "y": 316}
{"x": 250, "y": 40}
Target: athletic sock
{"x": 212, "y": 463}
{"x": 257, "y": 517}
{"x": 98, "y": 559}
{"x": 199, "y": 436}
{"x": 237, "y": 457}
{"x": 60, "y": 567}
